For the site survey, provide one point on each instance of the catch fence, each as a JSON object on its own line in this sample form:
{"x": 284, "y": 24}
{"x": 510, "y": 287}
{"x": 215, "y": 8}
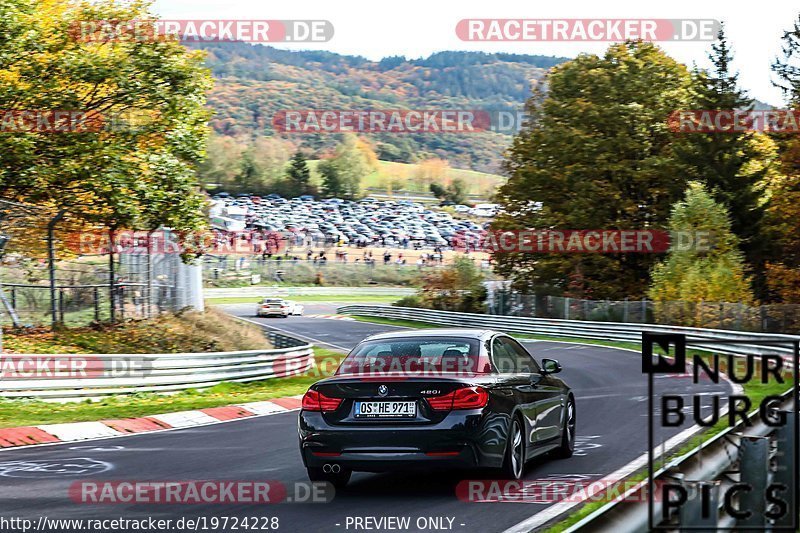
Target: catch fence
{"x": 45, "y": 280}
{"x": 773, "y": 318}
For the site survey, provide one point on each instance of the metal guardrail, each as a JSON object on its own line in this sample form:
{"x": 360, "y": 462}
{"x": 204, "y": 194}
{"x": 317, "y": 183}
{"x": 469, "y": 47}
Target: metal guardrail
{"x": 758, "y": 454}
{"x": 94, "y": 375}
{"x": 256, "y": 291}
{"x": 612, "y": 331}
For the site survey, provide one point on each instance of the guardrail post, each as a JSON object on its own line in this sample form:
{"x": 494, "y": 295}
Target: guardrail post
{"x": 785, "y": 469}
{"x": 61, "y": 306}
{"x": 754, "y": 470}
{"x": 701, "y": 509}
{"x": 51, "y": 263}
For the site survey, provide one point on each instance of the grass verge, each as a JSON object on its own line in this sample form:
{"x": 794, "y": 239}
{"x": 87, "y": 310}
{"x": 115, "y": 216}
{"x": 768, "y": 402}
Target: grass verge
{"x": 184, "y": 332}
{"x": 19, "y": 412}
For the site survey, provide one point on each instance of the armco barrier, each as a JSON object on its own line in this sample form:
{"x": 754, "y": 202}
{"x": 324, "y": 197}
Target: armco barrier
{"x": 613, "y": 331}
{"x": 129, "y": 373}
{"x": 256, "y": 291}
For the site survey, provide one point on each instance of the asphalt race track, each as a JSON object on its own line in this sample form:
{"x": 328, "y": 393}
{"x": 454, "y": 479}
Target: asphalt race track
{"x": 612, "y": 421}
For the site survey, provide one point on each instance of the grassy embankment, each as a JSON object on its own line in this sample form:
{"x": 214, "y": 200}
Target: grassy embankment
{"x": 187, "y": 332}
{"x": 391, "y": 177}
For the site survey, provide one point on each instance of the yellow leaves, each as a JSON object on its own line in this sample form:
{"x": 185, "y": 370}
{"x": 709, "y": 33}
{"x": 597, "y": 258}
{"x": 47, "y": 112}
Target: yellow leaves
{"x": 433, "y": 170}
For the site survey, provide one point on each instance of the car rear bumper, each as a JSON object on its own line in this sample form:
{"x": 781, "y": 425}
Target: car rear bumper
{"x": 386, "y": 460}
{"x": 464, "y": 439}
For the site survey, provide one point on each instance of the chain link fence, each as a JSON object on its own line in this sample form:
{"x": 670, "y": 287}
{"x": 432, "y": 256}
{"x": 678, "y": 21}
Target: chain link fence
{"x": 774, "y": 318}
{"x": 45, "y": 279}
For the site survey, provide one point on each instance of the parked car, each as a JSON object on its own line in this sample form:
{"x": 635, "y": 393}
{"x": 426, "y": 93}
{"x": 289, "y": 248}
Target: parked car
{"x": 272, "y": 307}
{"x": 367, "y": 222}
{"x": 485, "y": 210}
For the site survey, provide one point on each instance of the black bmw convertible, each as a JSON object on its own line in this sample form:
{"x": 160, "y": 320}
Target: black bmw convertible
{"x": 450, "y": 398}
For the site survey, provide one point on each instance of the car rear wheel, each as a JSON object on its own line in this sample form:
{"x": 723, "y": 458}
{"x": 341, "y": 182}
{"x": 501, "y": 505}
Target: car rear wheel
{"x": 338, "y": 479}
{"x": 514, "y": 464}
{"x": 567, "y": 447}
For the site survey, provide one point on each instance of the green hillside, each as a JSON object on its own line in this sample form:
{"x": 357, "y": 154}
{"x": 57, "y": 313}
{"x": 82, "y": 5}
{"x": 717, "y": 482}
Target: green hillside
{"x": 393, "y": 177}
{"x": 254, "y": 82}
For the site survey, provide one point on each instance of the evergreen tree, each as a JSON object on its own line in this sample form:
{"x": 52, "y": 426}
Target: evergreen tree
{"x": 783, "y": 217}
{"x": 299, "y": 175}
{"x": 250, "y": 178}
{"x": 723, "y": 160}
{"x": 710, "y": 272}
{"x": 331, "y": 180}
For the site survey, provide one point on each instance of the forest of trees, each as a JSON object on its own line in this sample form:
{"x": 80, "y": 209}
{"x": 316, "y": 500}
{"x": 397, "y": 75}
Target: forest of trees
{"x": 273, "y": 165}
{"x": 600, "y": 156}
{"x": 255, "y": 82}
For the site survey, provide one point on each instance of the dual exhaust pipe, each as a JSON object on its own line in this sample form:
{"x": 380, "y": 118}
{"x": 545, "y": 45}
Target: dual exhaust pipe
{"x": 331, "y": 468}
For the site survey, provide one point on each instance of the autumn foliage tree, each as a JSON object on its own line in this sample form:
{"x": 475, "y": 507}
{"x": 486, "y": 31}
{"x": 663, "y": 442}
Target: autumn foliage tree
{"x": 138, "y": 170}
{"x": 342, "y": 174}
{"x": 597, "y": 154}
{"x": 457, "y": 287}
{"x": 783, "y": 216}
{"x": 709, "y": 267}
{"x": 732, "y": 166}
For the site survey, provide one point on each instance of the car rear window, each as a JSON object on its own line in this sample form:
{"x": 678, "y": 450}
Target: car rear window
{"x": 414, "y": 355}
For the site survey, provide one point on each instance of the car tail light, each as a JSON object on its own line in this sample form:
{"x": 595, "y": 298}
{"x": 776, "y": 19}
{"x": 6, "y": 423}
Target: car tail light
{"x": 466, "y": 398}
{"x": 316, "y": 401}
{"x": 441, "y": 403}
{"x": 441, "y": 454}
{"x": 470, "y": 398}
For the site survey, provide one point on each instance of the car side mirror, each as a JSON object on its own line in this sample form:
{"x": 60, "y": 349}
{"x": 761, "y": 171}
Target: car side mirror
{"x": 550, "y": 366}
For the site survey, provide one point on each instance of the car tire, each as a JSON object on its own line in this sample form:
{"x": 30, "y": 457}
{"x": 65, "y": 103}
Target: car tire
{"x": 338, "y": 480}
{"x": 567, "y": 447}
{"x": 514, "y": 461}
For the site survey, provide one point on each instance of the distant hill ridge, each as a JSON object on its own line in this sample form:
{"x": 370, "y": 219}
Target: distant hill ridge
{"x": 255, "y": 81}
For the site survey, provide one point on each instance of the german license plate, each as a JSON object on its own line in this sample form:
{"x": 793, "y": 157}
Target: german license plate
{"x": 386, "y": 409}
